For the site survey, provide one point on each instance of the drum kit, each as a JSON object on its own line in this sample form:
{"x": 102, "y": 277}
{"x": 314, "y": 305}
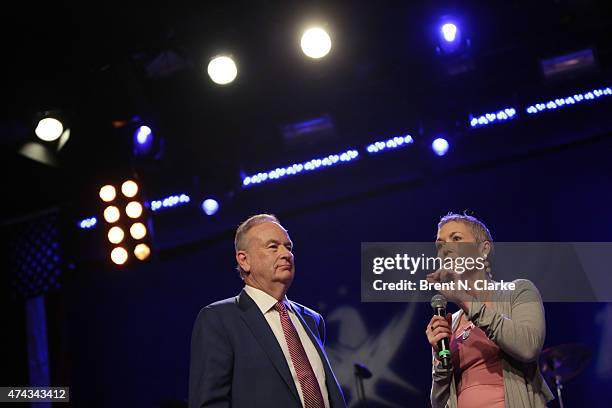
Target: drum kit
{"x": 561, "y": 363}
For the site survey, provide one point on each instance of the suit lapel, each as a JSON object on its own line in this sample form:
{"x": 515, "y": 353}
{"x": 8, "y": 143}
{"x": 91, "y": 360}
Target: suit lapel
{"x": 315, "y": 340}
{"x": 333, "y": 388}
{"x": 260, "y": 328}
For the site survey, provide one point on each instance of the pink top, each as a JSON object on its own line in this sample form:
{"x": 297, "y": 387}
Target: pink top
{"x": 478, "y": 368}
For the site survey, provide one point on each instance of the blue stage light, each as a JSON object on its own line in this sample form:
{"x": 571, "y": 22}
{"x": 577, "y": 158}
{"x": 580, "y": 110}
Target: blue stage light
{"x": 393, "y": 143}
{"x": 449, "y": 32}
{"x": 169, "y": 202}
{"x": 297, "y": 168}
{"x": 502, "y": 115}
{"x": 88, "y": 223}
{"x": 210, "y": 206}
{"x": 143, "y": 134}
{"x": 450, "y": 36}
{"x": 143, "y": 141}
{"x": 440, "y": 146}
{"x": 557, "y": 103}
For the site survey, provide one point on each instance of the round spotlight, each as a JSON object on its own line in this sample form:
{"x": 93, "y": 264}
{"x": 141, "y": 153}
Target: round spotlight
{"x": 142, "y": 251}
{"x": 449, "y": 32}
{"x": 111, "y": 214}
{"x": 115, "y": 235}
{"x": 138, "y": 230}
{"x": 119, "y": 255}
{"x": 315, "y": 42}
{"x": 108, "y": 193}
{"x": 129, "y": 188}
{"x": 49, "y": 129}
{"x": 440, "y": 146}
{"x": 210, "y": 206}
{"x": 143, "y": 134}
{"x": 133, "y": 209}
{"x": 222, "y": 70}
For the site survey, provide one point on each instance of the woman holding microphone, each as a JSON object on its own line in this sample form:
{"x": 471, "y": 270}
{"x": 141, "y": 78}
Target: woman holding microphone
{"x": 496, "y": 336}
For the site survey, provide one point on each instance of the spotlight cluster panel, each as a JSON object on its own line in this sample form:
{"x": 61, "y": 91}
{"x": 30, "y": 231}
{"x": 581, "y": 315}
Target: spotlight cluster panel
{"x": 125, "y": 221}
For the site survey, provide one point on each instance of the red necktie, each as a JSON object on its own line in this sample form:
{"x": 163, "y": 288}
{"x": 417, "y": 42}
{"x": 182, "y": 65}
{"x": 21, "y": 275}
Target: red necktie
{"x": 306, "y": 376}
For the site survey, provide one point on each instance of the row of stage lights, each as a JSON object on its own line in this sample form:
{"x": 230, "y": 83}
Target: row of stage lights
{"x": 222, "y": 69}
{"x": 440, "y": 146}
{"x": 316, "y": 43}
{"x": 49, "y": 129}
{"x": 297, "y": 168}
{"x": 209, "y": 206}
{"x": 510, "y": 113}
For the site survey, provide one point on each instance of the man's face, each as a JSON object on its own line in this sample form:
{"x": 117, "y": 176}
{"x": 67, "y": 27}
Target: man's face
{"x": 268, "y": 256}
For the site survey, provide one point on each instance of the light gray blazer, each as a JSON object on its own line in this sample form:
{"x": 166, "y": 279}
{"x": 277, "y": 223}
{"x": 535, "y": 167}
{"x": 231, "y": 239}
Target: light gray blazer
{"x": 516, "y": 324}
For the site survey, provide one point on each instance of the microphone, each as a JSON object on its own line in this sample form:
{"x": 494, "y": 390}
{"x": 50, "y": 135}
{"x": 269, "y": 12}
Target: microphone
{"x": 438, "y": 303}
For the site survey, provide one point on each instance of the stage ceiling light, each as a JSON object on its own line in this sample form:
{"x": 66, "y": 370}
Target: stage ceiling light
{"x": 449, "y": 32}
{"x": 210, "y": 206}
{"x": 108, "y": 193}
{"x": 119, "y": 255}
{"x": 440, "y": 146}
{"x": 143, "y": 134}
{"x": 115, "y": 235}
{"x": 111, "y": 214}
{"x": 133, "y": 209}
{"x": 129, "y": 188}
{"x": 315, "y": 43}
{"x": 142, "y": 251}
{"x": 138, "y": 230}
{"x": 49, "y": 129}
{"x": 222, "y": 70}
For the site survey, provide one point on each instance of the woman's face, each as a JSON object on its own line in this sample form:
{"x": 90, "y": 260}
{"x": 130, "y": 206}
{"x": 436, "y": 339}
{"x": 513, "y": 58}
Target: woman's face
{"x": 456, "y": 240}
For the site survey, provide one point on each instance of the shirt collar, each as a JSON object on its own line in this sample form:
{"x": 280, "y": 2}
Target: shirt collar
{"x": 264, "y": 301}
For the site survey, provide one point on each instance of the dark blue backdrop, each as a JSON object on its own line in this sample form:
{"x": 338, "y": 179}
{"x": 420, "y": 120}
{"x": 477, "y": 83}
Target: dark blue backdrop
{"x": 129, "y": 330}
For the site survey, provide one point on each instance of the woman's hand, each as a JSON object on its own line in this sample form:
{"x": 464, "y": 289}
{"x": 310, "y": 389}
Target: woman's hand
{"x": 437, "y": 329}
{"x": 458, "y": 296}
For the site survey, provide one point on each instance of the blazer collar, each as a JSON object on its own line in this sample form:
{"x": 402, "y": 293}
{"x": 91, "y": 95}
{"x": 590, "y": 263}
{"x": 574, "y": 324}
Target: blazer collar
{"x": 262, "y": 332}
{"x": 333, "y": 387}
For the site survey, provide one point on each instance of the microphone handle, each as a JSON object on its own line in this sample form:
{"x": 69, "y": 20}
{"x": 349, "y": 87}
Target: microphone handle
{"x": 444, "y": 352}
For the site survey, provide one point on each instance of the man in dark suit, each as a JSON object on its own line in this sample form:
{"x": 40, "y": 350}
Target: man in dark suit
{"x": 259, "y": 349}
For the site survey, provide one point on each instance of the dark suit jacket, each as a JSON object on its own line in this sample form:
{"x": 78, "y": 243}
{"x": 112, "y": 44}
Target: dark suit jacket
{"x": 236, "y": 360}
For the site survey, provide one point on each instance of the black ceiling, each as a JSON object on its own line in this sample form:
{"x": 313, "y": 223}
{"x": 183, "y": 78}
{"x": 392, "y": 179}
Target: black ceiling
{"x": 94, "y": 62}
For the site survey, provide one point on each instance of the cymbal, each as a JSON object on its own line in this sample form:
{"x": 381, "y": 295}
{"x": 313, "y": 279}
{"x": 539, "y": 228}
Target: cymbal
{"x": 564, "y": 361}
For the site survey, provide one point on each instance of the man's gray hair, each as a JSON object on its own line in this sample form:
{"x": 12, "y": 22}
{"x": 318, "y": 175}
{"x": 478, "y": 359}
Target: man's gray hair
{"x": 240, "y": 238}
